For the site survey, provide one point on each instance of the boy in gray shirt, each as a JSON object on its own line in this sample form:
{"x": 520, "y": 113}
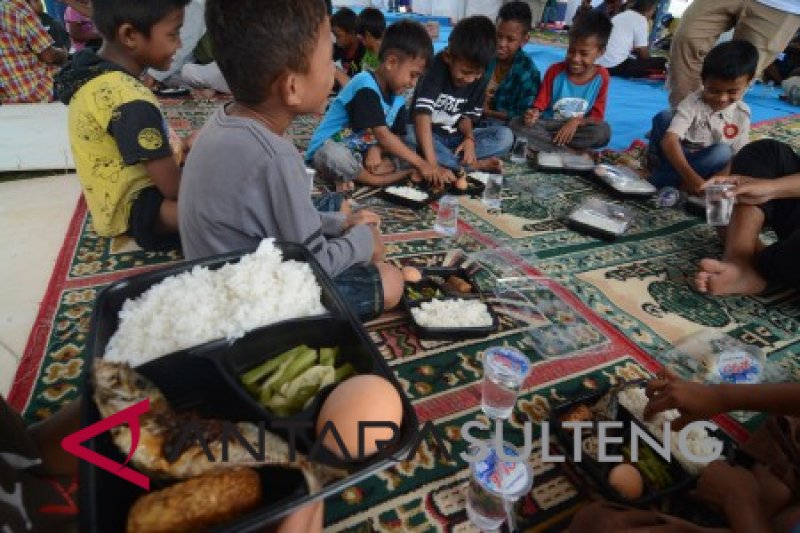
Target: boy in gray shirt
{"x": 244, "y": 181}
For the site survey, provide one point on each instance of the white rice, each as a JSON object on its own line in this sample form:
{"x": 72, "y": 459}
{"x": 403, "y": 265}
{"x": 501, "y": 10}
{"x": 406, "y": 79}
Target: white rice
{"x": 452, "y": 314}
{"x": 407, "y": 192}
{"x": 202, "y": 305}
{"x": 698, "y": 440}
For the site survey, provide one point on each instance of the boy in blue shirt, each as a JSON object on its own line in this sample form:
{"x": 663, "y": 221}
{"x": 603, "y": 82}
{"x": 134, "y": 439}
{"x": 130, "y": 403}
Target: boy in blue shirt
{"x": 368, "y": 118}
{"x": 571, "y": 105}
{"x": 448, "y": 102}
{"x": 514, "y": 79}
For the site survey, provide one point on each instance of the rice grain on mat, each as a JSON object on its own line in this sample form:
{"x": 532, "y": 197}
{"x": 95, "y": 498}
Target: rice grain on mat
{"x": 202, "y": 305}
{"x": 452, "y": 314}
{"x": 699, "y": 442}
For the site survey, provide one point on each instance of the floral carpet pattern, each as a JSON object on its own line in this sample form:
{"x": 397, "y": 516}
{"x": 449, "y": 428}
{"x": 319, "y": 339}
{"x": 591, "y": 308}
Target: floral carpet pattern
{"x": 587, "y": 313}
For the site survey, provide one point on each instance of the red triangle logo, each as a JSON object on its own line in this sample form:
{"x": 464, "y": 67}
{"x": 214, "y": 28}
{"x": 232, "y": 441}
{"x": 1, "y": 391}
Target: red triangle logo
{"x": 72, "y": 443}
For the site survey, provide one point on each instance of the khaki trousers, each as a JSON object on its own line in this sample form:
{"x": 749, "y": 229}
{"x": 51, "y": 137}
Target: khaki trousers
{"x": 769, "y": 29}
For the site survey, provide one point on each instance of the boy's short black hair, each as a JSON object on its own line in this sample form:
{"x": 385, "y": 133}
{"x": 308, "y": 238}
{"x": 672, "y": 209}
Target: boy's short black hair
{"x": 109, "y": 15}
{"x": 591, "y": 24}
{"x": 642, "y": 6}
{"x": 371, "y": 21}
{"x": 516, "y": 12}
{"x": 407, "y": 38}
{"x": 345, "y": 19}
{"x": 730, "y": 60}
{"x": 287, "y": 29}
{"x": 474, "y": 39}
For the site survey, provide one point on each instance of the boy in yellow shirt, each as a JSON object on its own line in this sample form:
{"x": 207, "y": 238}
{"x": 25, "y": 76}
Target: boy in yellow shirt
{"x": 120, "y": 140}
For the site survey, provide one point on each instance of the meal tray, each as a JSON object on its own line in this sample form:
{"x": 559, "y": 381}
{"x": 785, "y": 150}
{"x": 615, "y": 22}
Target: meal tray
{"x": 205, "y": 379}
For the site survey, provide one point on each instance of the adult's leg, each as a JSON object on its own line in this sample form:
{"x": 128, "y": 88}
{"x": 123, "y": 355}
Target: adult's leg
{"x": 701, "y": 25}
{"x": 745, "y": 268}
{"x": 769, "y": 29}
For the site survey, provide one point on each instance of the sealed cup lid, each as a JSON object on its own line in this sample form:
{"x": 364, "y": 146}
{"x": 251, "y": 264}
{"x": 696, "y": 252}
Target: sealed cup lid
{"x": 507, "y": 479}
{"x": 738, "y": 366}
{"x": 508, "y": 361}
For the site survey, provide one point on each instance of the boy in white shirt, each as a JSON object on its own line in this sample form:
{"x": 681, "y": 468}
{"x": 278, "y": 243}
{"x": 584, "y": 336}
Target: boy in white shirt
{"x": 698, "y": 140}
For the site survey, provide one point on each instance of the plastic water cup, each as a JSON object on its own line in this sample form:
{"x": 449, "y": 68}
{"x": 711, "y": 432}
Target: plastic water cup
{"x": 447, "y": 216}
{"x": 493, "y": 190}
{"x": 504, "y": 370}
{"x": 519, "y": 152}
{"x": 718, "y": 205}
{"x": 492, "y": 484}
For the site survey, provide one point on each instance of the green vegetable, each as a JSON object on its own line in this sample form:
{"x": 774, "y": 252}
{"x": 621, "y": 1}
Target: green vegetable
{"x": 258, "y": 373}
{"x": 327, "y": 356}
{"x": 289, "y": 382}
{"x": 652, "y": 467}
{"x": 344, "y": 371}
{"x": 297, "y": 366}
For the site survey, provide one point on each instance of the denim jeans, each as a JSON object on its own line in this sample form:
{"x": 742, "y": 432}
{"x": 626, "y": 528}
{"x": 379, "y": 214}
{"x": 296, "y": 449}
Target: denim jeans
{"x": 493, "y": 141}
{"x": 706, "y": 161}
{"x": 362, "y": 289}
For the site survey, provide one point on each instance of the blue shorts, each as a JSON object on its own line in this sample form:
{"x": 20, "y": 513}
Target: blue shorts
{"x": 329, "y": 203}
{"x": 362, "y": 289}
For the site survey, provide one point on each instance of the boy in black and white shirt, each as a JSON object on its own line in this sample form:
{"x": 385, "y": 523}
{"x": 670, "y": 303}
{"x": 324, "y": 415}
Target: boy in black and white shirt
{"x": 448, "y": 102}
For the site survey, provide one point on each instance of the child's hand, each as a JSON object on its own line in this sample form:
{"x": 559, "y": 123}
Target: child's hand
{"x": 442, "y": 177}
{"x": 365, "y": 217}
{"x": 427, "y": 170}
{"x": 467, "y": 148}
{"x": 373, "y": 159}
{"x": 531, "y": 116}
{"x": 694, "y": 401}
{"x": 565, "y": 135}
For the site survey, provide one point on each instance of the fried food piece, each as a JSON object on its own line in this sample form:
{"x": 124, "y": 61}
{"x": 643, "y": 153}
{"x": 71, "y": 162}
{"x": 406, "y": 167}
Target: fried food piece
{"x": 196, "y": 504}
{"x": 458, "y": 284}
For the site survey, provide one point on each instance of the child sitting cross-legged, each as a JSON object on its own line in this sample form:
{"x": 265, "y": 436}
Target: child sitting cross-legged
{"x": 698, "y": 139}
{"x": 514, "y": 79}
{"x": 448, "y": 102}
{"x": 118, "y": 135}
{"x": 570, "y": 108}
{"x": 244, "y": 181}
{"x": 368, "y": 118}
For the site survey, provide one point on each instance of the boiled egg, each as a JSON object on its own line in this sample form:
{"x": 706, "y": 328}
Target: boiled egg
{"x": 626, "y": 480}
{"x": 411, "y": 274}
{"x": 364, "y": 398}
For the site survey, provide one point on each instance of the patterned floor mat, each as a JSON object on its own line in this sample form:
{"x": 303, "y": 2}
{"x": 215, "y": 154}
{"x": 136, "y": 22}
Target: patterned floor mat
{"x": 621, "y": 303}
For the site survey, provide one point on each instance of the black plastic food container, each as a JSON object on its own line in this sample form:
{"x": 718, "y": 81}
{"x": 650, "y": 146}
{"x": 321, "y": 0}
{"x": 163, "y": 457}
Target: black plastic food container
{"x": 408, "y": 202}
{"x": 599, "y": 471}
{"x": 205, "y": 379}
{"x": 447, "y": 294}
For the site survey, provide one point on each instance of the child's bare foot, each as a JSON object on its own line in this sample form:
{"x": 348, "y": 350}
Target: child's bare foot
{"x": 490, "y": 164}
{"x": 722, "y": 278}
